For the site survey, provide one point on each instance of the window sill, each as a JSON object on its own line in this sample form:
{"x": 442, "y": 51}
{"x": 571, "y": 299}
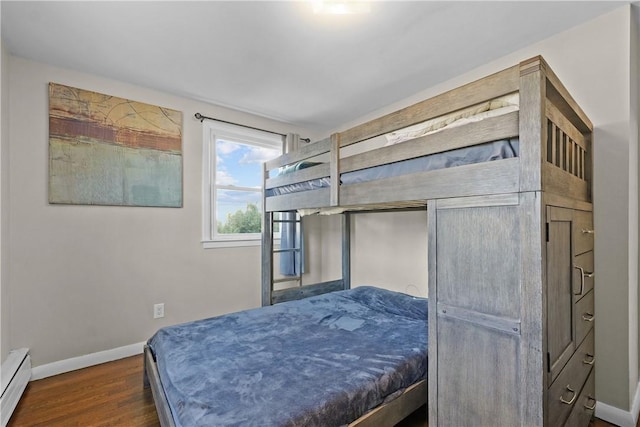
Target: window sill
{"x": 216, "y": 244}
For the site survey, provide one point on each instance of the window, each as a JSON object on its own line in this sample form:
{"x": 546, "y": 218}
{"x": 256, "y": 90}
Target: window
{"x": 232, "y": 182}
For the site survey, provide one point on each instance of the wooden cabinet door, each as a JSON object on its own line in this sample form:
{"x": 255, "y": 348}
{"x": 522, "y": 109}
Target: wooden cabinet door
{"x": 475, "y": 309}
{"x": 560, "y": 330}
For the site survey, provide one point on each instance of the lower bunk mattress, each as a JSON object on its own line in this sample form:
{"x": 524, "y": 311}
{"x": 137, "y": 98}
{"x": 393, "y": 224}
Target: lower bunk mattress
{"x": 321, "y": 361}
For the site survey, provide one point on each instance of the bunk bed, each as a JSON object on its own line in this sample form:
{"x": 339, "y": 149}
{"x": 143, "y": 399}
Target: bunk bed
{"x": 520, "y": 118}
{"x": 501, "y": 165}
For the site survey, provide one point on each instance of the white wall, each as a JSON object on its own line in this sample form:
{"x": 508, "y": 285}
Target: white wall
{"x": 634, "y": 201}
{"x": 593, "y": 62}
{"x": 635, "y": 105}
{"x": 4, "y": 194}
{"x": 84, "y": 278}
{"x": 389, "y": 250}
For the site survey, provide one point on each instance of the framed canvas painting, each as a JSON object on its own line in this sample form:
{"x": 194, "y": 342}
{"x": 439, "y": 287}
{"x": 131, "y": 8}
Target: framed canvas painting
{"x": 105, "y": 150}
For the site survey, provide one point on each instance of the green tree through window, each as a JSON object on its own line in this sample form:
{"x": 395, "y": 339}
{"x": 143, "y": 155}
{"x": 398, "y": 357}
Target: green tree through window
{"x": 242, "y": 221}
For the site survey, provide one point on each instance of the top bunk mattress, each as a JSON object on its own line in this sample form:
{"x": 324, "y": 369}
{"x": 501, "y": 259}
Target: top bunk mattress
{"x": 323, "y": 360}
{"x": 496, "y": 150}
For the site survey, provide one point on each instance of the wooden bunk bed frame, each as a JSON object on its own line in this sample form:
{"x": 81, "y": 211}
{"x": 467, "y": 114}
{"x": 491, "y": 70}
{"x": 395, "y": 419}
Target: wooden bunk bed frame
{"x": 545, "y": 106}
{"x": 553, "y": 169}
{"x": 555, "y": 157}
{"x": 507, "y": 318}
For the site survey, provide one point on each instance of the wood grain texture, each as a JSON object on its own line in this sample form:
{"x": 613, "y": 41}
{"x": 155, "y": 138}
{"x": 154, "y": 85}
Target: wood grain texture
{"x": 559, "y": 293}
{"x": 476, "y": 362}
{"x": 478, "y": 304}
{"x": 334, "y": 168}
{"x": 583, "y": 231}
{"x": 555, "y": 180}
{"x": 300, "y": 292}
{"x": 511, "y": 199}
{"x": 533, "y": 130}
{"x": 110, "y": 394}
{"x": 550, "y": 199}
{"x": 432, "y": 283}
{"x": 346, "y": 250}
{"x": 478, "y": 253}
{"x": 496, "y": 177}
{"x": 305, "y": 199}
{"x": 267, "y": 258}
{"x": 532, "y": 283}
{"x": 152, "y": 379}
{"x": 563, "y": 123}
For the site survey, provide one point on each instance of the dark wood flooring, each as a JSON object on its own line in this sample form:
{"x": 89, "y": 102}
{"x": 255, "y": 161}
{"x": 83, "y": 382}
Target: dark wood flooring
{"x": 111, "y": 394}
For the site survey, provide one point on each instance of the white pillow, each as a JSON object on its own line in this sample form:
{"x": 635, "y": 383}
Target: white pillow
{"x": 470, "y": 114}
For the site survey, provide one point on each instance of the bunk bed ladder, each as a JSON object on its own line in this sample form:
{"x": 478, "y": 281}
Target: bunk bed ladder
{"x": 294, "y": 248}
{"x": 269, "y": 251}
{"x": 269, "y": 294}
{"x": 267, "y": 258}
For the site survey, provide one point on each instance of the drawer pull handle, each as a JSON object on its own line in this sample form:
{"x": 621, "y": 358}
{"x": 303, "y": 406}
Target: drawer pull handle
{"x": 573, "y": 396}
{"x": 583, "y": 274}
{"x": 588, "y": 317}
{"x": 592, "y": 406}
{"x": 589, "y": 360}
{"x": 587, "y": 231}
{"x": 581, "y": 280}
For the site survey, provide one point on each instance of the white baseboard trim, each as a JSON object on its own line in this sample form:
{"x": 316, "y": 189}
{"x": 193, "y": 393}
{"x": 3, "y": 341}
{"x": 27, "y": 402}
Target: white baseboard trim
{"x": 635, "y": 407}
{"x": 74, "y": 363}
{"x": 618, "y": 416}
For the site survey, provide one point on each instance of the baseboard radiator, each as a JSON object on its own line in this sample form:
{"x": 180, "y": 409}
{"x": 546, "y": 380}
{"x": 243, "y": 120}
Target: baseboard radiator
{"x": 15, "y": 374}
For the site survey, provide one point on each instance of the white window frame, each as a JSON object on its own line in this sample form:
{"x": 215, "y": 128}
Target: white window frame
{"x": 212, "y": 131}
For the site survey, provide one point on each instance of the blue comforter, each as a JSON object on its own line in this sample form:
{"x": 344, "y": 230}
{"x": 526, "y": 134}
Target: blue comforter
{"x": 320, "y": 361}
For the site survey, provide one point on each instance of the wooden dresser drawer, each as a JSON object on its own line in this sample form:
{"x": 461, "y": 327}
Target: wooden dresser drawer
{"x": 583, "y": 274}
{"x": 585, "y": 317}
{"x": 585, "y": 404}
{"x": 582, "y": 232}
{"x": 564, "y": 391}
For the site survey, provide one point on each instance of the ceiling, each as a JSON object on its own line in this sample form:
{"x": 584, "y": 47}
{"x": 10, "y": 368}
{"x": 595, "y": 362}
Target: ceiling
{"x": 278, "y": 59}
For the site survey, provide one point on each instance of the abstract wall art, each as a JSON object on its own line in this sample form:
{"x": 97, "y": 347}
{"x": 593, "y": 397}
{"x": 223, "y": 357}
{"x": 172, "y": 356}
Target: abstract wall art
{"x": 105, "y": 150}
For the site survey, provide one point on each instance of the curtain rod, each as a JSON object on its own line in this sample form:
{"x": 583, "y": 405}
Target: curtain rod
{"x": 202, "y": 118}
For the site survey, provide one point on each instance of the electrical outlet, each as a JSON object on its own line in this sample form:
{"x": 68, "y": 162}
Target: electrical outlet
{"x": 158, "y": 311}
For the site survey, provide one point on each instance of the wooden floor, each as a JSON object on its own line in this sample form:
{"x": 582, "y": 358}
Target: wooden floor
{"x": 111, "y": 394}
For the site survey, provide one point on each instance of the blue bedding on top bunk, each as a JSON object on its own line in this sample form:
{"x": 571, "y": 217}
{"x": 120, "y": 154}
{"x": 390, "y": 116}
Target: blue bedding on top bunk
{"x": 495, "y": 150}
{"x": 319, "y": 361}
